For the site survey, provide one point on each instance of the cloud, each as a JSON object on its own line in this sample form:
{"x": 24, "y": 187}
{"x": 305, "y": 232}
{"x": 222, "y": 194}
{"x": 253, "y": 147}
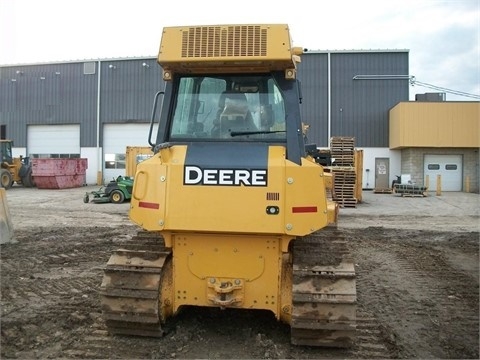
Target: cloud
{"x": 442, "y": 35}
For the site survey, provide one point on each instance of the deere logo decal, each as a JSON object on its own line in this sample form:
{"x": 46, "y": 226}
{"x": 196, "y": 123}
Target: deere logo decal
{"x": 194, "y": 175}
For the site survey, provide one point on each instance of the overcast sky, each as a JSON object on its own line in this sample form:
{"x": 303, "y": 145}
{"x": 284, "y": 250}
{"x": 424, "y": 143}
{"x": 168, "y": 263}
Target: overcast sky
{"x": 443, "y": 36}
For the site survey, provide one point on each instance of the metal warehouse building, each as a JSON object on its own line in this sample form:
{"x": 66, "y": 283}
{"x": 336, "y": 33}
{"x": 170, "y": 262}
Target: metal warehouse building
{"x": 96, "y": 108}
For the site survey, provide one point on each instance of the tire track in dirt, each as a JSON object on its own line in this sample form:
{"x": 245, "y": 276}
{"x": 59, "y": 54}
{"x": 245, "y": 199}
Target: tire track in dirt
{"x": 412, "y": 301}
{"x": 49, "y": 281}
{"x": 453, "y": 295}
{"x": 371, "y": 341}
{"x": 412, "y": 285}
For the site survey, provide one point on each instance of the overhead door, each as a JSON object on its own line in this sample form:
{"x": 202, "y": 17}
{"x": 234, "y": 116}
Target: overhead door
{"x": 116, "y": 138}
{"x": 449, "y": 167}
{"x": 53, "y": 141}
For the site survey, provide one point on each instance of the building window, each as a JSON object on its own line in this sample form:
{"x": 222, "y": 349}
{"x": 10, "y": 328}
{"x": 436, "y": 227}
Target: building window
{"x": 450, "y": 167}
{"x": 114, "y": 161}
{"x": 142, "y": 157}
{"x": 433, "y": 167}
{"x": 55, "y": 156}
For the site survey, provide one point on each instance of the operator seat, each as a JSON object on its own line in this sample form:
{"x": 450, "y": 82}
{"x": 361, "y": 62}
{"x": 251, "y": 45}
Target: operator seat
{"x": 233, "y": 115}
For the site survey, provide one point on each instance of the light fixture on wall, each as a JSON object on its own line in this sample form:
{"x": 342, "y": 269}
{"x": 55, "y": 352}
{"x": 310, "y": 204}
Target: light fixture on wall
{"x": 145, "y": 65}
{"x": 111, "y": 66}
{"x": 382, "y": 77}
{"x": 19, "y": 72}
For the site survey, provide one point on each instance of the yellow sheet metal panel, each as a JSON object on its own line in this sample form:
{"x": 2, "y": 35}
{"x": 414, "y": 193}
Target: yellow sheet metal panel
{"x": 217, "y": 208}
{"x": 306, "y": 199}
{"x": 395, "y": 136}
{"x": 435, "y": 124}
{"x": 221, "y": 48}
{"x": 469, "y": 134}
{"x": 227, "y": 270}
{"x": 162, "y": 201}
{"x": 147, "y": 206}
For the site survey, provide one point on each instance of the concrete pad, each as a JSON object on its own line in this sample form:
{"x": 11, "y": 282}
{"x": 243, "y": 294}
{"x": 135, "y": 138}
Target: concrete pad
{"x": 451, "y": 211}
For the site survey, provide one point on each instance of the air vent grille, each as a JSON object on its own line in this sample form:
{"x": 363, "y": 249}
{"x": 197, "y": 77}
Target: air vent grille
{"x": 273, "y": 196}
{"x": 89, "y": 68}
{"x": 223, "y": 41}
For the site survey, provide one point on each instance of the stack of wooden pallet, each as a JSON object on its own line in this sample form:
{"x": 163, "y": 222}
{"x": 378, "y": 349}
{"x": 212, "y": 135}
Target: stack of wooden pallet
{"x": 343, "y": 170}
{"x": 342, "y": 150}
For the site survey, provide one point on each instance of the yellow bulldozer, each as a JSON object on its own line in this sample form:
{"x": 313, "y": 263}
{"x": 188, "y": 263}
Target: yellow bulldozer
{"x": 14, "y": 170}
{"x": 233, "y": 210}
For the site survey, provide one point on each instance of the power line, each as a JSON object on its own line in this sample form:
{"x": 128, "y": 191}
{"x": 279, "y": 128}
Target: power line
{"x": 413, "y": 81}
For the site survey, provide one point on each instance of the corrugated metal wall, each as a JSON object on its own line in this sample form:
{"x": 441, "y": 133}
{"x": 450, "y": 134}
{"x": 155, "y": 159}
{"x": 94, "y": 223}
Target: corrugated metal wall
{"x": 128, "y": 88}
{"x": 47, "y": 94}
{"x": 359, "y": 108}
{"x": 66, "y": 93}
{"x": 313, "y": 74}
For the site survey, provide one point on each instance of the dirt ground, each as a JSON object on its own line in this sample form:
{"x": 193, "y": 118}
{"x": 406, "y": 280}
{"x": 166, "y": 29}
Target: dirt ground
{"x": 417, "y": 267}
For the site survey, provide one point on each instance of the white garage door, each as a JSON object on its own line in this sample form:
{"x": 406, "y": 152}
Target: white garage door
{"x": 449, "y": 167}
{"x": 53, "y": 141}
{"x": 116, "y": 138}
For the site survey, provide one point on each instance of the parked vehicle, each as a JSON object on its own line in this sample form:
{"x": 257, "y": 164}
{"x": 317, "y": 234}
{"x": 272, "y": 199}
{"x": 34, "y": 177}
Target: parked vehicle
{"x": 117, "y": 191}
{"x": 14, "y": 170}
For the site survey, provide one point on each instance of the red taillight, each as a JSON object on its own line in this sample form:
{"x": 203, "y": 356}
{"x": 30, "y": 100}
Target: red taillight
{"x": 148, "y": 205}
{"x": 304, "y": 209}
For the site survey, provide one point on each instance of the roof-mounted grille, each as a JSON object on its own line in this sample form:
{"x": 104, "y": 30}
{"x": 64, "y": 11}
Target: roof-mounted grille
{"x": 219, "y": 41}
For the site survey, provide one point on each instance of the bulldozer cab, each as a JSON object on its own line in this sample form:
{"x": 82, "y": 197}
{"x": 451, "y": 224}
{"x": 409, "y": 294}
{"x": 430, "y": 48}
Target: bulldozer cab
{"x": 233, "y": 108}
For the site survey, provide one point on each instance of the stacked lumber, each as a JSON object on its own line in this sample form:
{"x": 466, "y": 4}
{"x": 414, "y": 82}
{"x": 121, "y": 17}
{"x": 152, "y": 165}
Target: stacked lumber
{"x": 344, "y": 171}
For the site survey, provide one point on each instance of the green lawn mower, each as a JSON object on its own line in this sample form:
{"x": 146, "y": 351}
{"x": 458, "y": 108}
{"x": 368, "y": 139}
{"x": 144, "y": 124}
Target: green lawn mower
{"x": 117, "y": 191}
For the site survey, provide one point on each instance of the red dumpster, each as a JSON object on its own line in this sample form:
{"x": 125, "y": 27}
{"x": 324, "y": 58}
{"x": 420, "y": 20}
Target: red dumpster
{"x": 59, "y": 173}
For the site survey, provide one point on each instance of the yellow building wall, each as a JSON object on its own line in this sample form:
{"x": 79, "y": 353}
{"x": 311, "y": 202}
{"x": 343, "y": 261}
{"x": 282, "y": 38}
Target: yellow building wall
{"x": 434, "y": 124}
